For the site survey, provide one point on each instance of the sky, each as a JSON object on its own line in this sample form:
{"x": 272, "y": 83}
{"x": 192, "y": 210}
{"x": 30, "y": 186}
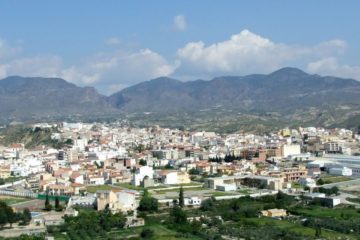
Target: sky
{"x": 111, "y": 45}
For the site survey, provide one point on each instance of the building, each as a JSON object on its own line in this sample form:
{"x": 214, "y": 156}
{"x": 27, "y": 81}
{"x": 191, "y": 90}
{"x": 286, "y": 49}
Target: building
{"x": 290, "y": 149}
{"x": 192, "y": 201}
{"x": 340, "y": 171}
{"x": 306, "y": 181}
{"x": 333, "y": 147}
{"x": 294, "y": 174}
{"x": 273, "y": 183}
{"x": 122, "y": 201}
{"x": 274, "y": 213}
{"x": 226, "y": 187}
{"x": 174, "y": 177}
{"x": 141, "y": 173}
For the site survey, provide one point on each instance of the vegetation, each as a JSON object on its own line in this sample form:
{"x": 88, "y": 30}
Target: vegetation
{"x": 31, "y": 137}
{"x": 354, "y": 200}
{"x": 147, "y": 233}
{"x": 48, "y": 206}
{"x": 328, "y": 191}
{"x": 142, "y": 162}
{"x": 13, "y": 200}
{"x": 327, "y": 179}
{"x": 8, "y": 216}
{"x": 92, "y": 224}
{"x": 228, "y": 158}
{"x": 148, "y": 203}
{"x": 181, "y": 197}
{"x": 93, "y": 189}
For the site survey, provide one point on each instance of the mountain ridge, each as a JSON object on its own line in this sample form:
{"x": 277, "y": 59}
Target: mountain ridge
{"x": 287, "y": 93}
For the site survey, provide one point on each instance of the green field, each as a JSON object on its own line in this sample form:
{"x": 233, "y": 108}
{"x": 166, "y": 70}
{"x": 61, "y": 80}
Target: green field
{"x": 334, "y": 179}
{"x": 354, "y": 200}
{"x": 177, "y": 190}
{"x": 129, "y": 186}
{"x": 13, "y": 200}
{"x": 160, "y": 233}
{"x": 220, "y": 194}
{"x": 297, "y": 228}
{"x": 317, "y": 211}
{"x": 93, "y": 189}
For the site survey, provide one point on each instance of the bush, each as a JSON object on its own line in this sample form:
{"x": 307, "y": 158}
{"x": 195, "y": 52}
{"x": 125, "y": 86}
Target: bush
{"x": 147, "y": 233}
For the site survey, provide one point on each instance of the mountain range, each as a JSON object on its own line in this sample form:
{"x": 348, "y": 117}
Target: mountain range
{"x": 288, "y": 94}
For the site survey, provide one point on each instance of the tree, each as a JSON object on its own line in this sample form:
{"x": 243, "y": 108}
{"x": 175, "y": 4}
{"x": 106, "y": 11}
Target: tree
{"x": 181, "y": 197}
{"x": 47, "y": 202}
{"x": 48, "y": 206}
{"x": 3, "y": 218}
{"x": 194, "y": 171}
{"x": 142, "y": 162}
{"x": 57, "y": 203}
{"x": 207, "y": 204}
{"x": 178, "y": 215}
{"x": 147, "y": 233}
{"x": 320, "y": 182}
{"x": 7, "y": 214}
{"x": 335, "y": 190}
{"x": 25, "y": 216}
{"x": 2, "y": 181}
{"x": 317, "y": 231}
{"x": 148, "y": 203}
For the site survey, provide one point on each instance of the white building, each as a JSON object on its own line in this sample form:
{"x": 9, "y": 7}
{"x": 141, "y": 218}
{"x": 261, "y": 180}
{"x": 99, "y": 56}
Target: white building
{"x": 290, "y": 149}
{"x": 341, "y": 171}
{"x": 226, "y": 187}
{"x": 192, "y": 201}
{"x": 141, "y": 173}
{"x": 309, "y": 182}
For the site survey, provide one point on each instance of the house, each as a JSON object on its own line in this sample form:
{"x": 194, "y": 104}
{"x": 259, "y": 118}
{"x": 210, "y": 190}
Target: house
{"x": 84, "y": 201}
{"x": 105, "y": 198}
{"x": 340, "y": 171}
{"x": 141, "y": 173}
{"x": 274, "y": 213}
{"x": 226, "y": 187}
{"x": 132, "y": 221}
{"x": 5, "y": 171}
{"x": 174, "y": 177}
{"x": 116, "y": 201}
{"x": 77, "y": 177}
{"x": 192, "y": 201}
{"x": 95, "y": 180}
{"x": 306, "y": 181}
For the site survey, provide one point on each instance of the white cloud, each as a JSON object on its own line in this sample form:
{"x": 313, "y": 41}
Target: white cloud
{"x": 243, "y": 53}
{"x": 7, "y": 51}
{"x": 113, "y": 41}
{"x": 180, "y": 23}
{"x": 246, "y": 53}
{"x": 331, "y": 66}
{"x": 119, "y": 69}
{"x": 44, "y": 66}
{"x": 108, "y": 71}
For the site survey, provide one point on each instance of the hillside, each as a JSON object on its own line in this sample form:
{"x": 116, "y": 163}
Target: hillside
{"x": 285, "y": 90}
{"x": 36, "y": 98}
{"x": 287, "y": 97}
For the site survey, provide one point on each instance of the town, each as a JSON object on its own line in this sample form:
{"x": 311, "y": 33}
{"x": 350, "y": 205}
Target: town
{"x": 142, "y": 172}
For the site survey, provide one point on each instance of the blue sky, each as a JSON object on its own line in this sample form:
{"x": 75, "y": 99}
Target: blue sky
{"x": 115, "y": 44}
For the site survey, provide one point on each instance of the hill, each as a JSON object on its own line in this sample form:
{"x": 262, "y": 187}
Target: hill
{"x": 38, "y": 98}
{"x": 285, "y": 97}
